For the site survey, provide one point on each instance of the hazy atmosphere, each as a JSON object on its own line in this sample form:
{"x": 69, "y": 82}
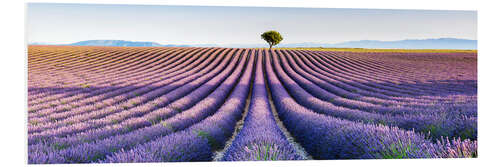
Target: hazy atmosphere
{"x": 69, "y": 23}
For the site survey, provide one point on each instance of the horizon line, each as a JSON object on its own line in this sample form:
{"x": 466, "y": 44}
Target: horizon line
{"x": 50, "y": 43}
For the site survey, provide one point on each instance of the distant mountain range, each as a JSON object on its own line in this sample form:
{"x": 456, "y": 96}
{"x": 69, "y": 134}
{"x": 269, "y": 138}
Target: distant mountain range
{"x": 121, "y": 43}
{"x": 439, "y": 43}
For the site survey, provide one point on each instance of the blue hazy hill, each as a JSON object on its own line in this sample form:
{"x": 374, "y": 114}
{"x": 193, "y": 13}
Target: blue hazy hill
{"x": 116, "y": 43}
{"x": 440, "y": 43}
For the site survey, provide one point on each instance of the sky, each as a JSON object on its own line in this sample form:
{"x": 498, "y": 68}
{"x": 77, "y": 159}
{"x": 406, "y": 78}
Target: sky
{"x": 68, "y": 23}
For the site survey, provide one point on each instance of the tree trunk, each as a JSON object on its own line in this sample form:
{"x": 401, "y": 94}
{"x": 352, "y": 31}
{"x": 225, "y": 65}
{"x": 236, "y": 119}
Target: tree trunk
{"x": 270, "y": 46}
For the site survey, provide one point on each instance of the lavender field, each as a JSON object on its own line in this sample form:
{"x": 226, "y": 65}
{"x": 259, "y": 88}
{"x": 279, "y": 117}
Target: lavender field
{"x": 161, "y": 104}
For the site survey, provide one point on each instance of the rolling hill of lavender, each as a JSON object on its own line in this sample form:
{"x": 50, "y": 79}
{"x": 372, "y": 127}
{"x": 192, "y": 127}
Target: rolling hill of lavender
{"x": 95, "y": 104}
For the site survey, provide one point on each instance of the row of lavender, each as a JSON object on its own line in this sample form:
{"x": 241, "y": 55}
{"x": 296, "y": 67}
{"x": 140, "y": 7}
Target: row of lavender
{"x": 125, "y": 97}
{"x": 327, "y": 137}
{"x": 115, "y": 130}
{"x": 192, "y": 98}
{"x": 448, "y": 122}
{"x": 114, "y": 112}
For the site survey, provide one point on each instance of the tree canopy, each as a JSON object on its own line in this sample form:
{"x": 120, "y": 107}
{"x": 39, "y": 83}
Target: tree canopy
{"x": 272, "y": 38}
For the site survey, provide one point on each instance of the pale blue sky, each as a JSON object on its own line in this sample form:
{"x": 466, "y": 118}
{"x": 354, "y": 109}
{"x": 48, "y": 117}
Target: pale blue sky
{"x": 68, "y": 23}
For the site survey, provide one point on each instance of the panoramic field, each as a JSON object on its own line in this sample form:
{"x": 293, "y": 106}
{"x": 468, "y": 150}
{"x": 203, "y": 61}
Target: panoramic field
{"x": 156, "y": 104}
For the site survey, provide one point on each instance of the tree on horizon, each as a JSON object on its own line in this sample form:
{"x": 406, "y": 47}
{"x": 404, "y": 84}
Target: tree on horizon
{"x": 272, "y": 38}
